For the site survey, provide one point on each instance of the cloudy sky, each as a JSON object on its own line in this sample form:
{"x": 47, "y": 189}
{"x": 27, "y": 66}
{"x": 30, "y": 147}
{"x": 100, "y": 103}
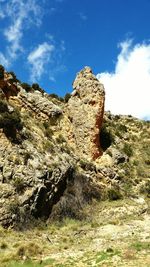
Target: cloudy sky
{"x": 49, "y": 41}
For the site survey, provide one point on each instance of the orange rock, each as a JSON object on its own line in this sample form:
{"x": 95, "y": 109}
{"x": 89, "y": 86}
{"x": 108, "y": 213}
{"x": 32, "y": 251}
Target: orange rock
{"x": 8, "y": 88}
{"x": 85, "y": 112}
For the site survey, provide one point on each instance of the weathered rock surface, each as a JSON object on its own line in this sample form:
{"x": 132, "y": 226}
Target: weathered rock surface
{"x": 36, "y": 103}
{"x": 38, "y": 178}
{"x": 48, "y": 150}
{"x": 33, "y": 187}
{"x": 85, "y": 112}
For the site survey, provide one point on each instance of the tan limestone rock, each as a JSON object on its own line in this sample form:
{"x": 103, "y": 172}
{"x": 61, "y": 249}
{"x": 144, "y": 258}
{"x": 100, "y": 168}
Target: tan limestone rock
{"x": 85, "y": 112}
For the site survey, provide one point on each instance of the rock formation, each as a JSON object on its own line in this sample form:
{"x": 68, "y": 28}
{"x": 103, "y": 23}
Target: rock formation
{"x": 8, "y": 89}
{"x": 7, "y": 85}
{"x": 38, "y": 104}
{"x": 41, "y": 175}
{"x": 85, "y": 112}
{"x": 38, "y": 177}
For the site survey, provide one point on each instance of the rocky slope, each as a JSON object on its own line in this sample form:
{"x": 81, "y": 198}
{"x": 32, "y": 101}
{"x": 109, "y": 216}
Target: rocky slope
{"x": 56, "y": 157}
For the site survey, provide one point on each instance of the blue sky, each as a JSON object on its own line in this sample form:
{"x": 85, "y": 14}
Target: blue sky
{"x": 49, "y": 41}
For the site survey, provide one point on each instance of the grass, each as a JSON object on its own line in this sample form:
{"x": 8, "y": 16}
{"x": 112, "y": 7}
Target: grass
{"x": 30, "y": 263}
{"x": 105, "y": 255}
{"x": 139, "y": 246}
{"x": 95, "y": 242}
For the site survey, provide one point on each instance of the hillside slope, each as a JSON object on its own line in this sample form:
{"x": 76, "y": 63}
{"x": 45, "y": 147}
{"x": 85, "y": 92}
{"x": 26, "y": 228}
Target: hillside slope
{"x": 57, "y": 156}
{"x": 74, "y": 181}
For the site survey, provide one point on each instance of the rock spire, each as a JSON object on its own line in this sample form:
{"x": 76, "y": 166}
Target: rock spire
{"x": 85, "y": 112}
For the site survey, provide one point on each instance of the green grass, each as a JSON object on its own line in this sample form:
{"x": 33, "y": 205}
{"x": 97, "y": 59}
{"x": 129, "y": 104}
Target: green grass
{"x": 139, "y": 246}
{"x": 105, "y": 255}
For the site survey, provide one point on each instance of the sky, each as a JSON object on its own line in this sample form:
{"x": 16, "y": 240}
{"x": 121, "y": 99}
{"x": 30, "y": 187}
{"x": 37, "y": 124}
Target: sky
{"x": 49, "y": 41}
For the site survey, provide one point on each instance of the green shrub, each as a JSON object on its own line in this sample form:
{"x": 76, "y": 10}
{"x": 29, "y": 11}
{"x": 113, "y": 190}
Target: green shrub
{"x": 60, "y": 139}
{"x": 27, "y": 87}
{"x": 48, "y": 146}
{"x": 14, "y": 206}
{"x": 48, "y": 130}
{"x": 114, "y": 194}
{"x": 14, "y": 78}
{"x": 146, "y": 189}
{"x": 120, "y": 130}
{"x": 46, "y": 124}
{"x": 135, "y": 162}
{"x": 19, "y": 184}
{"x": 36, "y": 87}
{"x": 67, "y": 97}
{"x": 138, "y": 246}
{"x": 3, "y": 106}
{"x": 55, "y": 96}
{"x": 1, "y": 72}
{"x": 86, "y": 165}
{"x": 10, "y": 122}
{"x": 127, "y": 149}
{"x": 147, "y": 162}
{"x": 3, "y": 245}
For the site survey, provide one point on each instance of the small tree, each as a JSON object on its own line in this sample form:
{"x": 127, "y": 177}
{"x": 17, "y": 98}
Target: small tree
{"x": 67, "y": 97}
{"x": 27, "y": 87}
{"x": 14, "y": 78}
{"x": 10, "y": 122}
{"x": 36, "y": 87}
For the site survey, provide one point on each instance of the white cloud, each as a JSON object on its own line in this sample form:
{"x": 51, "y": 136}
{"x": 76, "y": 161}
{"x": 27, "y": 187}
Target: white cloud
{"x": 128, "y": 87}
{"x": 2, "y": 15}
{"x": 20, "y": 14}
{"x": 3, "y": 60}
{"x": 38, "y": 58}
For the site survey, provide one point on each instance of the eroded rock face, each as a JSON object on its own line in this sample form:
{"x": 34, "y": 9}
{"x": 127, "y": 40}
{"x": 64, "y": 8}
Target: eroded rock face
{"x": 38, "y": 104}
{"x": 32, "y": 189}
{"x": 85, "y": 112}
{"x": 38, "y": 174}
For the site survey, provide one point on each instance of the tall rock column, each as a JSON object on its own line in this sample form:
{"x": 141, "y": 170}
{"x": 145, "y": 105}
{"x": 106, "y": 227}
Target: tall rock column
{"x": 85, "y": 112}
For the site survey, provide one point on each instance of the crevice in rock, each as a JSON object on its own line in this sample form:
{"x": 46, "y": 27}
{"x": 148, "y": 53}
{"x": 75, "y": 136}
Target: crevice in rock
{"x": 105, "y": 137}
{"x": 50, "y": 193}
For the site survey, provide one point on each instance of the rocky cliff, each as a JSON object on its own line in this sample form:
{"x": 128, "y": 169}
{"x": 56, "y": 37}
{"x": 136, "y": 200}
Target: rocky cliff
{"x": 56, "y": 157}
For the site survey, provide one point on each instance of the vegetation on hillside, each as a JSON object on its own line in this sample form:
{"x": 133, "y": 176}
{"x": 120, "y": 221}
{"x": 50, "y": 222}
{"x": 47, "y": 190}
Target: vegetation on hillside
{"x": 97, "y": 214}
{"x": 10, "y": 122}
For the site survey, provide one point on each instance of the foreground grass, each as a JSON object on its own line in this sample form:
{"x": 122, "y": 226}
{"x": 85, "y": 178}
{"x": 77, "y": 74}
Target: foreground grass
{"x": 117, "y": 234}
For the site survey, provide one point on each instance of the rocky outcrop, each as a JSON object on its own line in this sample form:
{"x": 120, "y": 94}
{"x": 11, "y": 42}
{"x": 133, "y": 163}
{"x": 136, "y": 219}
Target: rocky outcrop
{"x": 8, "y": 89}
{"x": 85, "y": 112}
{"x": 32, "y": 187}
{"x": 42, "y": 176}
{"x": 35, "y": 102}
{"x": 38, "y": 176}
